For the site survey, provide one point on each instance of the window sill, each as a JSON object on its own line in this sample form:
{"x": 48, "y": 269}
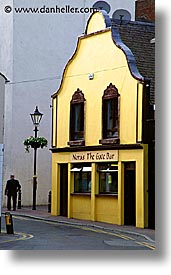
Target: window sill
{"x": 81, "y": 194}
{"x": 107, "y": 141}
{"x": 106, "y": 195}
{"x": 76, "y": 142}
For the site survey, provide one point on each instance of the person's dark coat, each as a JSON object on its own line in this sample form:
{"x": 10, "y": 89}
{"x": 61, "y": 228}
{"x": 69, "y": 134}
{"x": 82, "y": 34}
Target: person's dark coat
{"x": 12, "y": 187}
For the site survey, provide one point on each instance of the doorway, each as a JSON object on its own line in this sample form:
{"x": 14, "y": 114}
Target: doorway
{"x": 64, "y": 190}
{"x": 129, "y": 193}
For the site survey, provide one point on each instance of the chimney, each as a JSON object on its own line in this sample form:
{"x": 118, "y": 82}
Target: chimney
{"x": 145, "y": 10}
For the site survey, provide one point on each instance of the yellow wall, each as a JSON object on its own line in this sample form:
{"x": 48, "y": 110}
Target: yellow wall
{"x": 96, "y": 23}
{"x": 55, "y": 208}
{"x": 107, "y": 209}
{"x": 81, "y": 207}
{"x": 54, "y": 120}
{"x": 97, "y": 54}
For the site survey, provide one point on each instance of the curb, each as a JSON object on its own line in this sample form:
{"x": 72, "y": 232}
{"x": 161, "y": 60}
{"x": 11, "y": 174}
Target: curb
{"x": 85, "y": 225}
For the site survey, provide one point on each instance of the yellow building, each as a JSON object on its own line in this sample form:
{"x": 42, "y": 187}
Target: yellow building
{"x": 99, "y": 157}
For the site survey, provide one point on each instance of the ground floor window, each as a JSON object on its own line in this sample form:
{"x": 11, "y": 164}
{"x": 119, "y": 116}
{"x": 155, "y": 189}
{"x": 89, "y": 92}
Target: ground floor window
{"x": 108, "y": 178}
{"x": 82, "y": 179}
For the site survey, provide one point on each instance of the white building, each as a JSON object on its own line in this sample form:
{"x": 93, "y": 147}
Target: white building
{"x": 34, "y": 48}
{"x": 3, "y": 80}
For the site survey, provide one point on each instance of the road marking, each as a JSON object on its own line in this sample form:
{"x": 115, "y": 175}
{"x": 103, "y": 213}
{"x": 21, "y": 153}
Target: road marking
{"x": 110, "y": 233}
{"x": 118, "y": 235}
{"x": 128, "y": 238}
{"x": 151, "y": 246}
{"x": 96, "y": 230}
{"x": 20, "y": 218}
{"x": 21, "y": 237}
{"x": 89, "y": 229}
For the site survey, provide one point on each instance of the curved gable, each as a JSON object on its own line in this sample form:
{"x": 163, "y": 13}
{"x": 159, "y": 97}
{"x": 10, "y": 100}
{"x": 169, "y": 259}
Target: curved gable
{"x": 128, "y": 53}
{"x": 97, "y": 23}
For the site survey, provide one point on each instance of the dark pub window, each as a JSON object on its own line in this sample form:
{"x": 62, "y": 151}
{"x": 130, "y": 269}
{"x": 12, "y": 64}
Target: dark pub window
{"x": 77, "y": 119}
{"x": 82, "y": 178}
{"x": 108, "y": 178}
{"x": 110, "y": 115}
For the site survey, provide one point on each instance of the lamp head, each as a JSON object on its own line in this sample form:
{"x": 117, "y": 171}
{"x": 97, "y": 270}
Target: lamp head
{"x": 36, "y": 117}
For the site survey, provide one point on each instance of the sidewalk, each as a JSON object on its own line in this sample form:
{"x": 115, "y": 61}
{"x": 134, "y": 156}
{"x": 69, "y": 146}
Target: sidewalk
{"x": 42, "y": 213}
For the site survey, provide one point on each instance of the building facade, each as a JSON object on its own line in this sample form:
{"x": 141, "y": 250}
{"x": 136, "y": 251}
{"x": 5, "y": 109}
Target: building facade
{"x": 99, "y": 142}
{"x": 34, "y": 48}
{"x": 3, "y": 80}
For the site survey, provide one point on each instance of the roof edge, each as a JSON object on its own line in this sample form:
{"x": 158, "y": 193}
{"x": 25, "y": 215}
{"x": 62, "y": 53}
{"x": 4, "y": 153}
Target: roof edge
{"x": 65, "y": 68}
{"x": 117, "y": 41}
{"x": 107, "y": 19}
{"x": 6, "y": 79}
{"x": 128, "y": 53}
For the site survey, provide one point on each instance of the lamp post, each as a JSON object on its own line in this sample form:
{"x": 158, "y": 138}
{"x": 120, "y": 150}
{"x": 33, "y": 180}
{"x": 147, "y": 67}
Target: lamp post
{"x": 36, "y": 118}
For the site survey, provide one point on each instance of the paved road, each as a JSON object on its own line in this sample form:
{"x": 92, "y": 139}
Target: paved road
{"x": 33, "y": 234}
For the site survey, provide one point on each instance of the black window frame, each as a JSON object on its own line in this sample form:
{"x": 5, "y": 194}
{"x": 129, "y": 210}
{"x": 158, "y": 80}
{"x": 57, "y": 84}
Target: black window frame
{"x": 77, "y": 126}
{"x": 110, "y": 172}
{"x": 82, "y": 179}
{"x": 77, "y": 121}
{"x": 110, "y": 115}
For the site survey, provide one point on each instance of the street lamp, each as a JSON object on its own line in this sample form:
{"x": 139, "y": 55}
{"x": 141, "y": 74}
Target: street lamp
{"x": 36, "y": 118}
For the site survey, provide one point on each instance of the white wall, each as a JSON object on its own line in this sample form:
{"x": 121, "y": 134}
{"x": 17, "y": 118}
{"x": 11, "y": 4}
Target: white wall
{"x": 1, "y": 176}
{"x": 2, "y": 96}
{"x": 33, "y": 54}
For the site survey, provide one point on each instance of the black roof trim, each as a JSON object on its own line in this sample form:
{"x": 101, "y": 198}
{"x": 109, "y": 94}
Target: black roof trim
{"x": 6, "y": 79}
{"x": 142, "y": 23}
{"x": 129, "y": 55}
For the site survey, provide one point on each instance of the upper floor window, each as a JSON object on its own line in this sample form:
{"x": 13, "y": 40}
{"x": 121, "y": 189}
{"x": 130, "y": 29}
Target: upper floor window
{"x": 77, "y": 119}
{"x": 110, "y": 115}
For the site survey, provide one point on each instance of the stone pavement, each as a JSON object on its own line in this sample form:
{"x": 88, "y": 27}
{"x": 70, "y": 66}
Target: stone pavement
{"x": 41, "y": 212}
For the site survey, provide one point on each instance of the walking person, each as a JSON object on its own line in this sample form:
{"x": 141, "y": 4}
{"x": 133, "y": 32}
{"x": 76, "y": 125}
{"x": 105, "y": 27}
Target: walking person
{"x": 12, "y": 187}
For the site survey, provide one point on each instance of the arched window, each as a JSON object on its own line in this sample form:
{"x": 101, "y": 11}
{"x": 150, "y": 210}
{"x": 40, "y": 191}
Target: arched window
{"x": 77, "y": 119}
{"x": 110, "y": 115}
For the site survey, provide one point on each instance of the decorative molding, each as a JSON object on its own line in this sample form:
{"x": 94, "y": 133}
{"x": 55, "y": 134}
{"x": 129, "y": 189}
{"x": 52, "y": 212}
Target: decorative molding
{"x": 77, "y": 97}
{"x": 108, "y": 141}
{"x": 110, "y": 92}
{"x": 80, "y": 142}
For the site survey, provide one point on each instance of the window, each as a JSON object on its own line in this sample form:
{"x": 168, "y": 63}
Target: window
{"x": 108, "y": 178}
{"x": 110, "y": 115}
{"x": 77, "y": 119}
{"x": 82, "y": 179}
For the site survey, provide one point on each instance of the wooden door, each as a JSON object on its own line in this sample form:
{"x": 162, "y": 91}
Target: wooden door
{"x": 129, "y": 194}
{"x": 64, "y": 190}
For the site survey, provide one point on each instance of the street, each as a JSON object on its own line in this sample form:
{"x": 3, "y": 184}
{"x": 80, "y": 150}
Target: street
{"x": 32, "y": 234}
